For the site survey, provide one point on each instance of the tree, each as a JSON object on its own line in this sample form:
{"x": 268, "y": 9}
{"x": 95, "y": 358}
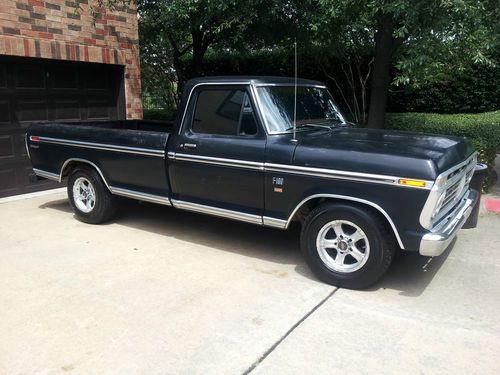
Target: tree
{"x": 187, "y": 28}
{"x": 421, "y": 39}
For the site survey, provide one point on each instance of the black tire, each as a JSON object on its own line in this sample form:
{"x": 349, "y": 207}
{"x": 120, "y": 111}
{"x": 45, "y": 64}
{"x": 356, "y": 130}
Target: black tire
{"x": 105, "y": 205}
{"x": 381, "y": 245}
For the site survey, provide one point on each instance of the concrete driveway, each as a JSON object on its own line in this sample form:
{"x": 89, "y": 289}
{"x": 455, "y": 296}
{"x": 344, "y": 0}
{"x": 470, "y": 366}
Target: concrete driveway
{"x": 160, "y": 291}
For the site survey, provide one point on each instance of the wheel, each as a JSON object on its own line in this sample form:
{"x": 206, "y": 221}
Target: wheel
{"x": 346, "y": 246}
{"x": 89, "y": 197}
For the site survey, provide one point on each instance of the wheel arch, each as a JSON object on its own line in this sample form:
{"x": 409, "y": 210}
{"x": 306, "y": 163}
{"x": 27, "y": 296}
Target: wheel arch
{"x": 72, "y": 163}
{"x": 314, "y": 200}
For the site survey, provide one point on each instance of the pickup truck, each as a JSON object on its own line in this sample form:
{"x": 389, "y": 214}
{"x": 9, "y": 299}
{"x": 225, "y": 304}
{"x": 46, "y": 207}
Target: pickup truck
{"x": 359, "y": 194}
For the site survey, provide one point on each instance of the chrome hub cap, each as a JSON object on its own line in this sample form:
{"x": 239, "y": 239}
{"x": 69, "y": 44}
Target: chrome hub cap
{"x": 342, "y": 246}
{"x": 83, "y": 195}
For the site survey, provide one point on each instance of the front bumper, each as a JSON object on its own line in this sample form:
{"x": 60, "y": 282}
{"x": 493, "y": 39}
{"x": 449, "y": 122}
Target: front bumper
{"x": 437, "y": 240}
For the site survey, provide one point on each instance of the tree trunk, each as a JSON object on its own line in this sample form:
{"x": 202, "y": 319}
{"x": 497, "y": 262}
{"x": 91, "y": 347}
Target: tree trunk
{"x": 381, "y": 78}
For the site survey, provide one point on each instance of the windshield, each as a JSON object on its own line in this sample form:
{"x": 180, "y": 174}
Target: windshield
{"x": 315, "y": 107}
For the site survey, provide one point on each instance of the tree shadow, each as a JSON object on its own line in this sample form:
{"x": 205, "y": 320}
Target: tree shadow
{"x": 410, "y": 273}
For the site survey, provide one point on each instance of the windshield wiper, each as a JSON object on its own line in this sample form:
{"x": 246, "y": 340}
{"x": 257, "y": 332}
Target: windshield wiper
{"x": 308, "y": 126}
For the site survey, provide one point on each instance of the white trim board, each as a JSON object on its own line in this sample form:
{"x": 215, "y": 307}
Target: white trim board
{"x": 32, "y": 195}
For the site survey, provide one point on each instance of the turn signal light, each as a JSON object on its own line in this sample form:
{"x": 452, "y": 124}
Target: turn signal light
{"x": 412, "y": 183}
{"x": 34, "y": 139}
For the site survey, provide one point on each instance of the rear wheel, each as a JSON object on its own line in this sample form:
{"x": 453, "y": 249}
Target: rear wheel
{"x": 346, "y": 245}
{"x": 89, "y": 197}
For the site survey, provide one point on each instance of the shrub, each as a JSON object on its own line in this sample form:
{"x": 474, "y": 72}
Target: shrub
{"x": 482, "y": 130}
{"x": 159, "y": 113}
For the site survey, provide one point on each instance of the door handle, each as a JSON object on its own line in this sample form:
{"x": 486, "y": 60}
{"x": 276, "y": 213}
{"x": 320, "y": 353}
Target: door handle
{"x": 189, "y": 146}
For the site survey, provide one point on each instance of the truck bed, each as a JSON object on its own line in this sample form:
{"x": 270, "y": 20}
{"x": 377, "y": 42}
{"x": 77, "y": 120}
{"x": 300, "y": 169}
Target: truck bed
{"x": 113, "y": 147}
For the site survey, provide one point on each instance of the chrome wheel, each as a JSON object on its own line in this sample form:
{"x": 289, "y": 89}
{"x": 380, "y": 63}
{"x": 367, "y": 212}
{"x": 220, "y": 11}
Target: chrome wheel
{"x": 343, "y": 246}
{"x": 84, "y": 195}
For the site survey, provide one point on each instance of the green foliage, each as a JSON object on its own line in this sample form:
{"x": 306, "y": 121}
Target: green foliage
{"x": 482, "y": 130}
{"x": 164, "y": 114}
{"x": 475, "y": 89}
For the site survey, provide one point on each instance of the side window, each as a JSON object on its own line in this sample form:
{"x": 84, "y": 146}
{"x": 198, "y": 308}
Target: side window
{"x": 223, "y": 112}
{"x": 248, "y": 125}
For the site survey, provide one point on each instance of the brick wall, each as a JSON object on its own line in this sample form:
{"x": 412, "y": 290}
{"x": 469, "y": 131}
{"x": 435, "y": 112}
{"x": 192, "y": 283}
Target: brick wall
{"x": 53, "y": 29}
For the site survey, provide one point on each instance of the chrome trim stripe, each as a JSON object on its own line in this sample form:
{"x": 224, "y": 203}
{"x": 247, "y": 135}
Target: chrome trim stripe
{"x": 289, "y": 84}
{"x": 26, "y": 145}
{"x": 273, "y": 222}
{"x": 47, "y": 175}
{"x": 308, "y": 171}
{"x": 101, "y": 146}
{"x": 235, "y": 215}
{"x": 219, "y": 161}
{"x": 140, "y": 196}
{"x": 342, "y": 175}
{"x": 354, "y": 199}
{"x": 61, "y": 174}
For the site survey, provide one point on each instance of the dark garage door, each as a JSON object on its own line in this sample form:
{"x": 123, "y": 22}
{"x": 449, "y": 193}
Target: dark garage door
{"x": 33, "y": 90}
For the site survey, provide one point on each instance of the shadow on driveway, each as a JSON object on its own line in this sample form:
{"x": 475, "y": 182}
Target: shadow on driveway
{"x": 409, "y": 274}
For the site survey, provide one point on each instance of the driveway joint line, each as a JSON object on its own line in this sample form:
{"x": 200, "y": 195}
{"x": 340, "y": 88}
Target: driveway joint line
{"x": 292, "y": 328}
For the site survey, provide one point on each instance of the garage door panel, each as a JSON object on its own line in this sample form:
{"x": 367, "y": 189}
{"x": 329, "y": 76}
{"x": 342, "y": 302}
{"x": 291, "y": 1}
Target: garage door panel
{"x": 98, "y": 109}
{"x": 7, "y": 147}
{"x": 8, "y": 179}
{"x": 4, "y": 112}
{"x": 65, "y": 78}
{"x": 30, "y": 76}
{"x": 3, "y": 75}
{"x": 32, "y": 110}
{"x": 37, "y": 90}
{"x": 68, "y": 110}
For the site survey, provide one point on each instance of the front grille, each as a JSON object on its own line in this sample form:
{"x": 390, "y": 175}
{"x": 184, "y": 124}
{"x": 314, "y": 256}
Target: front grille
{"x": 458, "y": 183}
{"x": 447, "y": 192}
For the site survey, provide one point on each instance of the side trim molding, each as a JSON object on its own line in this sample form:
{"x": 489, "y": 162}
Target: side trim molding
{"x": 354, "y": 199}
{"x": 100, "y": 146}
{"x": 273, "y": 222}
{"x": 235, "y": 215}
{"x": 85, "y": 161}
{"x": 218, "y": 161}
{"x": 298, "y": 170}
{"x": 140, "y": 196}
{"x": 47, "y": 175}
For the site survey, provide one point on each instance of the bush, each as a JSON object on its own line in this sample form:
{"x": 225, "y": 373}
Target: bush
{"x": 482, "y": 130}
{"x": 164, "y": 114}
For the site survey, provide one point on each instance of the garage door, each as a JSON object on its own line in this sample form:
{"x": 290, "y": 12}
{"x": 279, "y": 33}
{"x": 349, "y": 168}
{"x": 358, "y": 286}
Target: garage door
{"x": 33, "y": 90}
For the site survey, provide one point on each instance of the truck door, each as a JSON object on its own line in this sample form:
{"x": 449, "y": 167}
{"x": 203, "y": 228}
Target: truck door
{"x": 217, "y": 162}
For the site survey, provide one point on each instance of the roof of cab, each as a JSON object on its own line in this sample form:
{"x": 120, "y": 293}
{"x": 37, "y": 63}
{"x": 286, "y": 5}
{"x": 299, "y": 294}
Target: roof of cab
{"x": 253, "y": 80}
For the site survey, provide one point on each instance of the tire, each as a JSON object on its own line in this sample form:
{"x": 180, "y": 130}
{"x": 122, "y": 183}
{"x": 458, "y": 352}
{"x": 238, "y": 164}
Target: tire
{"x": 90, "y": 185}
{"x": 362, "y": 261}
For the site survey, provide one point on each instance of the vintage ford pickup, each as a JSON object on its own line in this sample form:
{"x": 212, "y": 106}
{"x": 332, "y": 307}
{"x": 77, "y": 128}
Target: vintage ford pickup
{"x": 359, "y": 194}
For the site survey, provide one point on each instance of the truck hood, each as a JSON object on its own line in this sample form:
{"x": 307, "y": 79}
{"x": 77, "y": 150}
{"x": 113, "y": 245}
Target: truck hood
{"x": 393, "y": 153}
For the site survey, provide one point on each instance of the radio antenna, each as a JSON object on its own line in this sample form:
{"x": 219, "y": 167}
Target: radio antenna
{"x": 295, "y": 97}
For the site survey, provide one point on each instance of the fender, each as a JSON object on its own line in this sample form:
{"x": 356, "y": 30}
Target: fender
{"x": 349, "y": 198}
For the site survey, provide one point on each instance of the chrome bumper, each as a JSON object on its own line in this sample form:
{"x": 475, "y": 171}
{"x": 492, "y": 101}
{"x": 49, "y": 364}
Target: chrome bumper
{"x": 437, "y": 240}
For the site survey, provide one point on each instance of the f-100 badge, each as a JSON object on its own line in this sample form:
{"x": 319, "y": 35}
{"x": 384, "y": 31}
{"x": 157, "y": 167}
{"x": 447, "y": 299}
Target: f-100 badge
{"x": 278, "y": 183}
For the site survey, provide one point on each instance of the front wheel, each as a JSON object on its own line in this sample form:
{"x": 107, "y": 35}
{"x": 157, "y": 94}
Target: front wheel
{"x": 89, "y": 197}
{"x": 346, "y": 245}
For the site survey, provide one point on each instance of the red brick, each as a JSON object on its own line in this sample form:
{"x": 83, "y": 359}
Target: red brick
{"x": 37, "y": 3}
{"x": 100, "y": 31}
{"x": 26, "y": 47}
{"x": 89, "y": 41}
{"x": 46, "y": 35}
